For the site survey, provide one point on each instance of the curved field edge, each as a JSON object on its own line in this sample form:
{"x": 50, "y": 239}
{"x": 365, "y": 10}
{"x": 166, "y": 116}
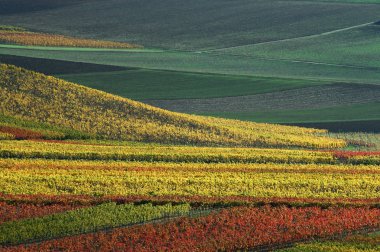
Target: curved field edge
{"x": 141, "y": 84}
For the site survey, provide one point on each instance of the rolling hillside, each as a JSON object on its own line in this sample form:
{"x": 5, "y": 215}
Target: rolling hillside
{"x": 274, "y": 61}
{"x": 45, "y": 99}
{"x": 237, "y": 125}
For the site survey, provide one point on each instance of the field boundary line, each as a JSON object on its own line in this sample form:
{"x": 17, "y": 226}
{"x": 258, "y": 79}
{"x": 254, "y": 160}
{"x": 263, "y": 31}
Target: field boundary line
{"x": 295, "y": 38}
{"x": 296, "y": 61}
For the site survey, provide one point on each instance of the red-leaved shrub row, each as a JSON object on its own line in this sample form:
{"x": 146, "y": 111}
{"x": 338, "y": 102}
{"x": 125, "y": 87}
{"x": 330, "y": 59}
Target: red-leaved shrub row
{"x": 21, "y": 134}
{"x": 87, "y": 200}
{"x": 348, "y": 154}
{"x": 11, "y": 212}
{"x": 228, "y": 230}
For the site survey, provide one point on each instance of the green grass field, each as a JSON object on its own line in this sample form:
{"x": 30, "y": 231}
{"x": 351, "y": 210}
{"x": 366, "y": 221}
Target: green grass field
{"x": 357, "y": 47}
{"x": 144, "y": 84}
{"x": 209, "y": 63}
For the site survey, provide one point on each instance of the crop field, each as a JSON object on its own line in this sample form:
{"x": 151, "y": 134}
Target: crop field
{"x": 78, "y": 185}
{"x": 218, "y": 63}
{"x": 353, "y": 47}
{"x": 204, "y": 125}
{"x": 316, "y": 97}
{"x": 67, "y": 188}
{"x": 175, "y": 85}
{"x": 225, "y": 192}
{"x": 366, "y": 111}
{"x": 309, "y": 44}
{"x": 199, "y": 24}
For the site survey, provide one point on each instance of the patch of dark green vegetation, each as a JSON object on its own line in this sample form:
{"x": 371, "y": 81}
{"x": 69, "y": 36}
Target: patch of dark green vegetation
{"x": 371, "y": 126}
{"x": 9, "y": 7}
{"x": 50, "y": 66}
{"x": 11, "y": 28}
{"x": 144, "y": 84}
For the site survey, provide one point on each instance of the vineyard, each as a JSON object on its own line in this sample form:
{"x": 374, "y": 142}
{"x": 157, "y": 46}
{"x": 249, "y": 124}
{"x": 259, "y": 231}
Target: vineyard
{"x": 84, "y": 170}
{"x": 92, "y": 195}
{"x": 189, "y": 126}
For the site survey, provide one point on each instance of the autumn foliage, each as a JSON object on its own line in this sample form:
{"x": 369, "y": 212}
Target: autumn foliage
{"x": 19, "y": 133}
{"x": 43, "y": 39}
{"x": 232, "y": 229}
{"x": 18, "y": 211}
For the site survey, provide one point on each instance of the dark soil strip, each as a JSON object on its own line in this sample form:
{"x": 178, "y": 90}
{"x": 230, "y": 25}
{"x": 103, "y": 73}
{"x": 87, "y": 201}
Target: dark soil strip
{"x": 371, "y": 126}
{"x": 50, "y": 67}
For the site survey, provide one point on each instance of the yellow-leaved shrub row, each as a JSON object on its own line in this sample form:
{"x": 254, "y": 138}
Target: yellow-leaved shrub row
{"x": 46, "y": 99}
{"x": 260, "y": 180}
{"x": 6, "y": 136}
{"x": 150, "y": 153}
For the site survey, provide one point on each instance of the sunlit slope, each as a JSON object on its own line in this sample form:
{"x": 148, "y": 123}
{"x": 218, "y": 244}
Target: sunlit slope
{"x": 46, "y": 99}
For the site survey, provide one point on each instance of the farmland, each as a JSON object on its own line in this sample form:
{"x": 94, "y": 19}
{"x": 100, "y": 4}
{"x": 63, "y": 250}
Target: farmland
{"x": 173, "y": 125}
{"x": 181, "y": 63}
{"x": 88, "y": 185}
{"x": 343, "y": 48}
{"x": 309, "y": 43}
{"x": 182, "y": 25}
{"x": 203, "y": 193}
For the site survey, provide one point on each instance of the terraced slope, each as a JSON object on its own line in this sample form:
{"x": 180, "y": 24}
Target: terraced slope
{"x": 46, "y": 99}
